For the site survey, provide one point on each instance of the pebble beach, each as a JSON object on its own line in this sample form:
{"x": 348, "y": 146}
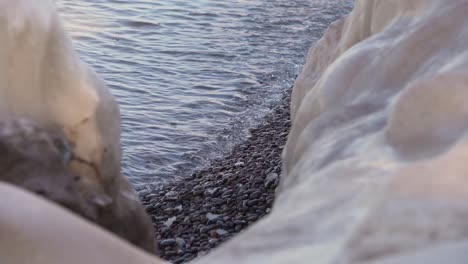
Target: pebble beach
{"x": 195, "y": 215}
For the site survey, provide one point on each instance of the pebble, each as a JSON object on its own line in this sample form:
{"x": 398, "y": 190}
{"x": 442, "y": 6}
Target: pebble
{"x": 240, "y": 222}
{"x": 170, "y": 221}
{"x": 255, "y": 195}
{"x": 172, "y": 196}
{"x": 220, "y": 232}
{"x": 271, "y": 179}
{"x": 212, "y": 217}
{"x": 180, "y": 242}
{"x": 197, "y": 192}
{"x": 203, "y": 230}
{"x": 211, "y": 192}
{"x": 240, "y": 163}
{"x": 167, "y": 242}
{"x": 227, "y": 193}
{"x": 213, "y": 241}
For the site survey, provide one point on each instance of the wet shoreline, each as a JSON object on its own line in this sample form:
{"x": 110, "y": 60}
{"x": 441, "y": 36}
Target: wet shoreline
{"x": 195, "y": 215}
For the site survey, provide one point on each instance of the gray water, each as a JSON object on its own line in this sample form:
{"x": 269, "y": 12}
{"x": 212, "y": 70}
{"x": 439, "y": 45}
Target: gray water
{"x": 192, "y": 76}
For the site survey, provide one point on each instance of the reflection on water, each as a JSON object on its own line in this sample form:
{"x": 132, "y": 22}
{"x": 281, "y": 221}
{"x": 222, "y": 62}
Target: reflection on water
{"x": 192, "y": 76}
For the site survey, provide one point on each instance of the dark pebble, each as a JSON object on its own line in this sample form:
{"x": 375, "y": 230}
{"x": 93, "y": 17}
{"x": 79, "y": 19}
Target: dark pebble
{"x": 171, "y": 196}
{"x": 170, "y": 253}
{"x": 197, "y": 192}
{"x": 167, "y": 242}
{"x": 227, "y": 193}
{"x": 180, "y": 242}
{"x": 252, "y": 218}
{"x": 203, "y": 230}
{"x": 213, "y": 241}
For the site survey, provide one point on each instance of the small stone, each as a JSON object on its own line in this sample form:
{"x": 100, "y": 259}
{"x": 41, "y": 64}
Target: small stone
{"x": 213, "y": 233}
{"x": 178, "y": 261}
{"x": 221, "y": 232}
{"x": 171, "y": 196}
{"x": 179, "y": 208}
{"x": 150, "y": 209}
{"x": 143, "y": 193}
{"x": 218, "y": 201}
{"x": 211, "y": 227}
{"x": 228, "y": 175}
{"x": 227, "y": 193}
{"x": 185, "y": 258}
{"x": 252, "y": 203}
{"x": 164, "y": 230}
{"x": 170, "y": 221}
{"x": 197, "y": 192}
{"x": 219, "y": 223}
{"x": 168, "y": 210}
{"x": 181, "y": 242}
{"x": 151, "y": 196}
{"x": 238, "y": 164}
{"x": 211, "y": 192}
{"x": 170, "y": 253}
{"x": 213, "y": 241}
{"x": 271, "y": 179}
{"x": 167, "y": 243}
{"x": 252, "y": 218}
{"x": 194, "y": 250}
{"x": 217, "y": 233}
{"x": 212, "y": 217}
{"x": 187, "y": 220}
{"x": 255, "y": 195}
{"x": 239, "y": 222}
{"x": 258, "y": 180}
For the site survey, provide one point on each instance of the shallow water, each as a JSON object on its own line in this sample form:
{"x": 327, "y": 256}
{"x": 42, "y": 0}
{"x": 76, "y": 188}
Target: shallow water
{"x": 192, "y": 76}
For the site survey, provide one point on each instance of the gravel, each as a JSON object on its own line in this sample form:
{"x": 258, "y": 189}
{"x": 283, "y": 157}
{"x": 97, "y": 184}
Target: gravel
{"x": 195, "y": 215}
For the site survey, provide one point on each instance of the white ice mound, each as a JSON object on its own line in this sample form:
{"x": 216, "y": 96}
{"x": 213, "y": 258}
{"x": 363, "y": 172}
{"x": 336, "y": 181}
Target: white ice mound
{"x": 375, "y": 168}
{"x": 376, "y": 162}
{"x": 43, "y": 80}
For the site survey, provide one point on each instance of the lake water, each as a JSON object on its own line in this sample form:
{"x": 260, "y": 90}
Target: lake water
{"x": 192, "y": 76}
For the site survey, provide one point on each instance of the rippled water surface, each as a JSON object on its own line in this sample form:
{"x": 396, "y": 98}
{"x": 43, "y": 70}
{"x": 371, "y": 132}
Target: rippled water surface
{"x": 192, "y": 76}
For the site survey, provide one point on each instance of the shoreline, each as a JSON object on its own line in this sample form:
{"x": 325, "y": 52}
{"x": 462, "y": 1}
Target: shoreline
{"x": 194, "y": 215}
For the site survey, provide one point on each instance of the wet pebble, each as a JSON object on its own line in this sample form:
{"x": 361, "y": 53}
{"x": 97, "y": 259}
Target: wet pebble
{"x": 240, "y": 163}
{"x": 255, "y": 195}
{"x": 271, "y": 180}
{"x": 167, "y": 242}
{"x": 212, "y": 217}
{"x": 172, "y": 196}
{"x": 217, "y": 233}
{"x": 213, "y": 241}
{"x": 180, "y": 242}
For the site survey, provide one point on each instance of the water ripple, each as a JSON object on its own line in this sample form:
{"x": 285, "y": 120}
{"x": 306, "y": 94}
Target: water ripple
{"x": 192, "y": 76}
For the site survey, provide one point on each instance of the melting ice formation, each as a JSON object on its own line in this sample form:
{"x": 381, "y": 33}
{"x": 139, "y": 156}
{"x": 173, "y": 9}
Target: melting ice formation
{"x": 42, "y": 80}
{"x": 375, "y": 165}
